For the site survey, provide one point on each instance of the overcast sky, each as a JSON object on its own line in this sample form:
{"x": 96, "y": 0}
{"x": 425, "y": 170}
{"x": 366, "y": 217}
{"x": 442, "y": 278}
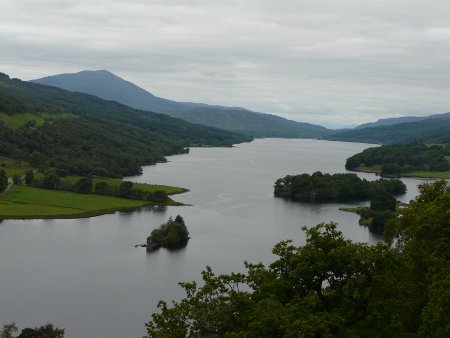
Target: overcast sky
{"x": 332, "y": 62}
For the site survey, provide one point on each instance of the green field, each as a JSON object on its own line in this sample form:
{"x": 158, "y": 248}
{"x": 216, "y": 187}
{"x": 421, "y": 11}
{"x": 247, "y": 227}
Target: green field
{"x": 26, "y": 202}
{"x": 423, "y": 174}
{"x": 430, "y": 174}
{"x": 13, "y": 167}
{"x": 373, "y": 169}
{"x": 117, "y": 182}
{"x": 17, "y": 120}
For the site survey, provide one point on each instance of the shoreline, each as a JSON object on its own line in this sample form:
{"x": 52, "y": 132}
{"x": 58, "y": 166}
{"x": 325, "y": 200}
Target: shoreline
{"x": 88, "y": 214}
{"x": 426, "y": 174}
{"x": 25, "y": 203}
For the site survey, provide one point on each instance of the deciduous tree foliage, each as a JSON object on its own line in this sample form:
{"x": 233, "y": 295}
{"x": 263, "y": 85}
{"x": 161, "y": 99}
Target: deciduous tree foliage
{"x": 330, "y": 287}
{"x": 84, "y": 185}
{"x": 401, "y": 158}
{"x": 3, "y": 180}
{"x": 44, "y": 331}
{"x": 171, "y": 234}
{"x": 320, "y": 187}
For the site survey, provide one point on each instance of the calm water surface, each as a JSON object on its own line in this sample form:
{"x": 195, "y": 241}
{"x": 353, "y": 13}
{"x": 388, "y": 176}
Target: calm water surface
{"x": 86, "y": 276}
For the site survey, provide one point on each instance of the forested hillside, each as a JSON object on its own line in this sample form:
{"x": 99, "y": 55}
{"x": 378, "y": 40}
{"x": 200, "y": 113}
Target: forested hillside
{"x": 402, "y": 119}
{"x": 82, "y": 134}
{"x": 106, "y": 85}
{"x": 426, "y": 131}
{"x": 401, "y": 158}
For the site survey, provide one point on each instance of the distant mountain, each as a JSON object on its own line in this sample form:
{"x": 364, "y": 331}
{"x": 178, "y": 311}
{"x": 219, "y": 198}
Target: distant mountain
{"x": 82, "y": 134}
{"x": 432, "y": 130}
{"x": 108, "y": 86}
{"x": 403, "y": 119}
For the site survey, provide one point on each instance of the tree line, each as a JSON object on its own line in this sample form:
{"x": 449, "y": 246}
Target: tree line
{"x": 402, "y": 158}
{"x": 436, "y": 130}
{"x": 50, "y": 179}
{"x": 320, "y": 187}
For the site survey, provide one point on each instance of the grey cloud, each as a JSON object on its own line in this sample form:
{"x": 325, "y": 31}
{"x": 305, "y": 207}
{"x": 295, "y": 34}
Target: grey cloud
{"x": 327, "y": 61}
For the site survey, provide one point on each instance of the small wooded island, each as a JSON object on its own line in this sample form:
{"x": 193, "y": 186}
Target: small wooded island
{"x": 171, "y": 235}
{"x": 320, "y": 187}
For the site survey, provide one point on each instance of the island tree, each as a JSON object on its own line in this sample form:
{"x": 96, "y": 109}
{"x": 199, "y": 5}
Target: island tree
{"x": 171, "y": 234}
{"x": 320, "y": 187}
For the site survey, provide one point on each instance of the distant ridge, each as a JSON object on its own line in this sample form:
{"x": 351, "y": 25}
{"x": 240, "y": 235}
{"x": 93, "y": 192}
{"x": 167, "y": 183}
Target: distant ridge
{"x": 430, "y": 130}
{"x": 106, "y": 85}
{"x": 81, "y": 134}
{"x": 403, "y": 119}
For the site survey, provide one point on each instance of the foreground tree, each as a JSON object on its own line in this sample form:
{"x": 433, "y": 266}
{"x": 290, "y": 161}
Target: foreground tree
{"x": 44, "y": 331}
{"x": 330, "y": 287}
{"x": 423, "y": 234}
{"x": 8, "y": 330}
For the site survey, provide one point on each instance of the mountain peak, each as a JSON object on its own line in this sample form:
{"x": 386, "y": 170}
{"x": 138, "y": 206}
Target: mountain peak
{"x": 106, "y": 85}
{"x": 101, "y": 83}
{"x": 98, "y": 72}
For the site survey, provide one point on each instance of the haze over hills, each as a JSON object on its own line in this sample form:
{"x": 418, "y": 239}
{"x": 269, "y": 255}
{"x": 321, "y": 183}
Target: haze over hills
{"x": 431, "y": 130}
{"x": 403, "y": 119}
{"x": 108, "y": 86}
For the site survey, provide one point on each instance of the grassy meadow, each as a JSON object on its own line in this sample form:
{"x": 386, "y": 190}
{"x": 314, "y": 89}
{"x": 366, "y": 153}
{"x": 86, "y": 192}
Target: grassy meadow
{"x": 31, "y": 202}
{"x": 18, "y": 120}
{"x": 428, "y": 174}
{"x": 13, "y": 167}
{"x": 24, "y": 202}
{"x": 422, "y": 174}
{"x": 28, "y": 202}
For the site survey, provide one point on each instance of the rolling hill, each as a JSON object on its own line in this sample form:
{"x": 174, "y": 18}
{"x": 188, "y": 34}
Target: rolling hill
{"x": 436, "y": 130}
{"x": 82, "y": 134}
{"x": 403, "y": 119}
{"x": 108, "y": 86}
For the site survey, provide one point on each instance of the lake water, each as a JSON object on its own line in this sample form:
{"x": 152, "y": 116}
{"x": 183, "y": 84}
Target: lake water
{"x": 86, "y": 276}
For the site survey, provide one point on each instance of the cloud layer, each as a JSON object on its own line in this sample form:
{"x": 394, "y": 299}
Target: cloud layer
{"x": 334, "y": 62}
